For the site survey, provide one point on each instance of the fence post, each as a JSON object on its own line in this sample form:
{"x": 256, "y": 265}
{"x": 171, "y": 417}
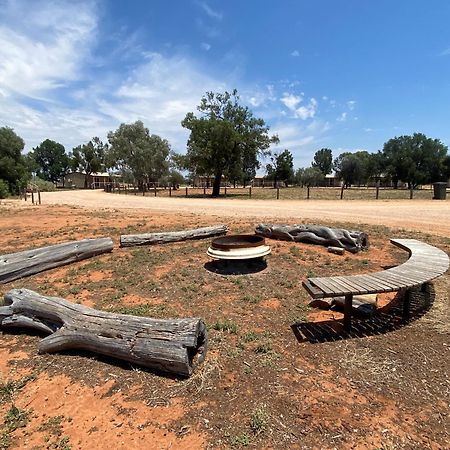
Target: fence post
{"x": 170, "y": 191}
{"x": 307, "y": 194}
{"x": 411, "y": 193}
{"x": 378, "y": 190}
{"x": 186, "y": 191}
{"x": 278, "y": 193}
{"x": 25, "y": 195}
{"x": 32, "y": 196}
{"x": 155, "y": 189}
{"x": 225, "y": 190}
{"x": 39, "y": 196}
{"x": 250, "y": 192}
{"x": 204, "y": 191}
{"x": 342, "y": 191}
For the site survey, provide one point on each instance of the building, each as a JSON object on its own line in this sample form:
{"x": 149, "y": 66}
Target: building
{"x": 77, "y": 180}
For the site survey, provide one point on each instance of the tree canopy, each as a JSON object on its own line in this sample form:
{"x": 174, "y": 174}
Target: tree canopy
{"x": 352, "y": 168}
{"x": 323, "y": 160}
{"x": 51, "y": 160}
{"x": 415, "y": 159}
{"x": 12, "y": 164}
{"x": 89, "y": 158}
{"x": 281, "y": 167}
{"x": 308, "y": 176}
{"x": 134, "y": 150}
{"x": 225, "y": 140}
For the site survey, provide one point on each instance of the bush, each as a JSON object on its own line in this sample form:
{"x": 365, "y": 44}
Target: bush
{"x": 4, "y": 190}
{"x": 42, "y": 185}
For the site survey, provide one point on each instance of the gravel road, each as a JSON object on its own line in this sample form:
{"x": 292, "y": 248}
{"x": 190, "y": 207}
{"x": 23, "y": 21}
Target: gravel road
{"x": 431, "y": 216}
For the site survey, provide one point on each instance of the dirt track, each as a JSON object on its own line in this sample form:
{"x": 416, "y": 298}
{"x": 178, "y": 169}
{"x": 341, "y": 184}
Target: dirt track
{"x": 428, "y": 216}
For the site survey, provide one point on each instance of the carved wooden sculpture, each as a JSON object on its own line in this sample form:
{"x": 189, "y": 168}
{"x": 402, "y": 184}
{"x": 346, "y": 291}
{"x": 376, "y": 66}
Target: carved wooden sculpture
{"x": 353, "y": 241}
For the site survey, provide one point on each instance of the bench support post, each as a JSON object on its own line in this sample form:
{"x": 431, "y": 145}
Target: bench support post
{"x": 406, "y": 304}
{"x": 348, "y": 312}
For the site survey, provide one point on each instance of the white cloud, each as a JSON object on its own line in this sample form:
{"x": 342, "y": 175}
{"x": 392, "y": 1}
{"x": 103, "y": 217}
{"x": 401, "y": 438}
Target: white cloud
{"x": 205, "y": 46}
{"x": 210, "y": 11}
{"x": 342, "y": 117}
{"x": 303, "y": 112}
{"x": 295, "y": 53}
{"x": 43, "y": 44}
{"x": 291, "y": 101}
{"x": 351, "y": 105}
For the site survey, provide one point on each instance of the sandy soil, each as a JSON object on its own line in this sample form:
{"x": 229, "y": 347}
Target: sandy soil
{"x": 421, "y": 215}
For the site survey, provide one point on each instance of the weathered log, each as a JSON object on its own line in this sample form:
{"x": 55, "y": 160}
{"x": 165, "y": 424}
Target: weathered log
{"x": 352, "y": 241}
{"x": 336, "y": 250}
{"x": 176, "y": 345}
{"x": 130, "y": 240}
{"x": 364, "y": 305}
{"x": 29, "y": 262}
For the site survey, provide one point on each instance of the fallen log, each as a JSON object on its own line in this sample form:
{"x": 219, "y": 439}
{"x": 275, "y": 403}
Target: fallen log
{"x": 352, "y": 241}
{"x": 130, "y": 240}
{"x": 176, "y": 346}
{"x": 29, "y": 262}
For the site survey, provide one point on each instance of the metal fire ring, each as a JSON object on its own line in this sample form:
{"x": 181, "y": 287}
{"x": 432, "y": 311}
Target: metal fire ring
{"x": 237, "y": 241}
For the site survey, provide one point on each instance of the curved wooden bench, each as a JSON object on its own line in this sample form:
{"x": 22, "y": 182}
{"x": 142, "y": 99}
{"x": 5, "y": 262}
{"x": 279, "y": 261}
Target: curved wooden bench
{"x": 424, "y": 264}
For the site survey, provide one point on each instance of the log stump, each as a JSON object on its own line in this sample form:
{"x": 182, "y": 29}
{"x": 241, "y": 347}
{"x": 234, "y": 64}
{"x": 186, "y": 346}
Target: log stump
{"x": 175, "y": 346}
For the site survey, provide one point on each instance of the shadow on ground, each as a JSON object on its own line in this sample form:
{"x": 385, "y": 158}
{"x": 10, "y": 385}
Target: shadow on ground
{"x": 242, "y": 267}
{"x": 384, "y": 320}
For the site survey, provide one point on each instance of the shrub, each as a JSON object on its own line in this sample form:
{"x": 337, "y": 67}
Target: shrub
{"x": 4, "y": 190}
{"x": 42, "y": 185}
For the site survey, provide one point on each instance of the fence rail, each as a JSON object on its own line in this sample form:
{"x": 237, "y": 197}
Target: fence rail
{"x": 290, "y": 193}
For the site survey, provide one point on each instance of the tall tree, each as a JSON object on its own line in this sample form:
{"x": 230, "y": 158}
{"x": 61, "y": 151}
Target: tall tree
{"x": 226, "y": 139}
{"x": 52, "y": 160}
{"x": 352, "y": 168}
{"x": 89, "y": 158}
{"x": 323, "y": 160}
{"x": 415, "y": 159}
{"x": 133, "y": 149}
{"x": 281, "y": 167}
{"x": 12, "y": 164}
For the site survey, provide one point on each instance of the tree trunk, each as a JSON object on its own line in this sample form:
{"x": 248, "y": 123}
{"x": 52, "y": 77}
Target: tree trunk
{"x": 22, "y": 264}
{"x": 174, "y": 345}
{"x": 353, "y": 241}
{"x": 86, "y": 181}
{"x": 216, "y": 185}
{"x": 131, "y": 240}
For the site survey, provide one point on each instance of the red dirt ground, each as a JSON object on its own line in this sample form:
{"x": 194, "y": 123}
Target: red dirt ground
{"x": 259, "y": 387}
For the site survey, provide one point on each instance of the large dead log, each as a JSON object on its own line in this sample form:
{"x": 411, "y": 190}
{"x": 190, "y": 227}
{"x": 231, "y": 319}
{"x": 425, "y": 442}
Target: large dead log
{"x": 130, "y": 240}
{"x": 352, "y": 241}
{"x": 175, "y": 345}
{"x": 29, "y": 262}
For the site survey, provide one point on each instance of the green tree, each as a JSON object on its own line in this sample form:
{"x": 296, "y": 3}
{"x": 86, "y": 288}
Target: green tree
{"x": 281, "y": 167}
{"x": 352, "y": 168}
{"x": 415, "y": 159}
{"x": 133, "y": 149}
{"x": 226, "y": 139}
{"x": 52, "y": 160}
{"x": 89, "y": 158}
{"x": 323, "y": 160}
{"x": 12, "y": 165}
{"x": 309, "y": 176}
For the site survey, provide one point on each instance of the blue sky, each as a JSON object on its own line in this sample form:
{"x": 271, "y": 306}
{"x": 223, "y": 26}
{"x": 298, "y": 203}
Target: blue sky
{"x": 343, "y": 74}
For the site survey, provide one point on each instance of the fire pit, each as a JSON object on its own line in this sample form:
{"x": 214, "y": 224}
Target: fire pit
{"x": 238, "y": 246}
